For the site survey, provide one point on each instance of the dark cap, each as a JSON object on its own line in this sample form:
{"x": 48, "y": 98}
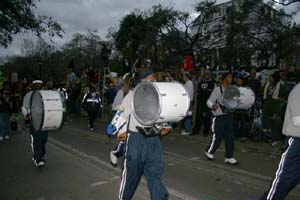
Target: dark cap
{"x": 147, "y": 73}
{"x": 224, "y": 75}
{"x": 188, "y": 75}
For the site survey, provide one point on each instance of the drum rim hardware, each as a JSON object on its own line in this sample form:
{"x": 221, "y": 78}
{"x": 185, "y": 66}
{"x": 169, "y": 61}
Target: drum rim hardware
{"x": 43, "y": 112}
{"x": 157, "y": 116}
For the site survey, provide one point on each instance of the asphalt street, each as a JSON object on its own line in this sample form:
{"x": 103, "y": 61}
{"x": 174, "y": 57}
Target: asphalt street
{"x": 77, "y": 167}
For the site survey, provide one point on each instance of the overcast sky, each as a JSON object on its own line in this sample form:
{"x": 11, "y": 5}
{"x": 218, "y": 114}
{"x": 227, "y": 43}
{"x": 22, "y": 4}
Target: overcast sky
{"x": 81, "y": 15}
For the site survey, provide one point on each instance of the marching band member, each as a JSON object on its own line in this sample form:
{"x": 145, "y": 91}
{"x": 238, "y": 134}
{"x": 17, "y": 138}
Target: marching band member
{"x": 38, "y": 138}
{"x": 222, "y": 123}
{"x": 128, "y": 85}
{"x": 143, "y": 153}
{"x": 288, "y": 172}
{"x": 92, "y": 103}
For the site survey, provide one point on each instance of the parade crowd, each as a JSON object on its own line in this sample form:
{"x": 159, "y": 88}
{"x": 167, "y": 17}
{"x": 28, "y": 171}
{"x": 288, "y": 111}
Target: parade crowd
{"x": 271, "y": 92}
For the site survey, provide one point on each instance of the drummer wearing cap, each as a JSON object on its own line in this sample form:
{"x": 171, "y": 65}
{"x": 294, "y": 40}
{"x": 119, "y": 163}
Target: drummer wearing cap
{"x": 143, "y": 154}
{"x": 222, "y": 123}
{"x": 38, "y": 138}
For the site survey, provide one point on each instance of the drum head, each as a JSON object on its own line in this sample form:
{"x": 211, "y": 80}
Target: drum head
{"x": 231, "y": 97}
{"x": 37, "y": 110}
{"x": 146, "y": 103}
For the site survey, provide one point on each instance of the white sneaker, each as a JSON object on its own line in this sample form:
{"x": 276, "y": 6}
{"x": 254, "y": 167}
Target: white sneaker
{"x": 231, "y": 161}
{"x": 6, "y": 137}
{"x": 91, "y": 129}
{"x": 209, "y": 156}
{"x": 185, "y": 133}
{"x": 113, "y": 159}
{"x": 1, "y": 138}
{"x": 39, "y": 164}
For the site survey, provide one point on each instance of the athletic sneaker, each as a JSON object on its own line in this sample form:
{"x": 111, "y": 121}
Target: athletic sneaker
{"x": 113, "y": 159}
{"x": 1, "y": 138}
{"x": 39, "y": 164}
{"x": 91, "y": 129}
{"x": 6, "y": 137}
{"x": 185, "y": 133}
{"x": 231, "y": 161}
{"x": 209, "y": 156}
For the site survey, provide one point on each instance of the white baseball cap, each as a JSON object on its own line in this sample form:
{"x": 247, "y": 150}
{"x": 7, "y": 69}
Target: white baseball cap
{"x": 37, "y": 82}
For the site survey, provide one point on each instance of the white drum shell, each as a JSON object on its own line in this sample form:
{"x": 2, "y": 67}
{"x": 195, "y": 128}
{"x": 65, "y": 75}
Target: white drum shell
{"x": 247, "y": 98}
{"x": 174, "y": 102}
{"x": 52, "y": 110}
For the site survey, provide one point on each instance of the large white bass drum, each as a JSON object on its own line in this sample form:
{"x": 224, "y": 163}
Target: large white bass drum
{"x": 246, "y": 99}
{"x": 158, "y": 102}
{"x": 237, "y": 98}
{"x": 47, "y": 110}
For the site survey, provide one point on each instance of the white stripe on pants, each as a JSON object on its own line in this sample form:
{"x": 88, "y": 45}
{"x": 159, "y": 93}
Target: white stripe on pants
{"x": 214, "y": 135}
{"x": 124, "y": 174}
{"x": 279, "y": 171}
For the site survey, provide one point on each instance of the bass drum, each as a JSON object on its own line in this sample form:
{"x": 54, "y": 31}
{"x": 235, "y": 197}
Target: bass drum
{"x": 230, "y": 99}
{"x": 158, "y": 102}
{"x": 247, "y": 98}
{"x": 46, "y": 110}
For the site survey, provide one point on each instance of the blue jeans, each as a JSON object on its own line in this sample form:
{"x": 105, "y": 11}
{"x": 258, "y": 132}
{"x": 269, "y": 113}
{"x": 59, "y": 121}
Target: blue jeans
{"x": 4, "y": 124}
{"x": 188, "y": 124}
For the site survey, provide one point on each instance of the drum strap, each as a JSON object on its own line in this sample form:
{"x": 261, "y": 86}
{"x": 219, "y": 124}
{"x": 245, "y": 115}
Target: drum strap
{"x": 221, "y": 90}
{"x": 127, "y": 129}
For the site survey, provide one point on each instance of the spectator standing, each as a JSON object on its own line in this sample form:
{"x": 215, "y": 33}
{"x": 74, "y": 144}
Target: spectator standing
{"x": 241, "y": 116}
{"x": 203, "y": 114}
{"x": 5, "y": 113}
{"x": 110, "y": 94}
{"x": 254, "y": 82}
{"x": 274, "y": 96}
{"x": 71, "y": 77}
{"x": 189, "y": 86}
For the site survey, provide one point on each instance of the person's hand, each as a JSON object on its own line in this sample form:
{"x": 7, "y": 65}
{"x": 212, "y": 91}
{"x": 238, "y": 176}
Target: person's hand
{"x": 165, "y": 131}
{"x": 122, "y": 137}
{"x": 215, "y": 107}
